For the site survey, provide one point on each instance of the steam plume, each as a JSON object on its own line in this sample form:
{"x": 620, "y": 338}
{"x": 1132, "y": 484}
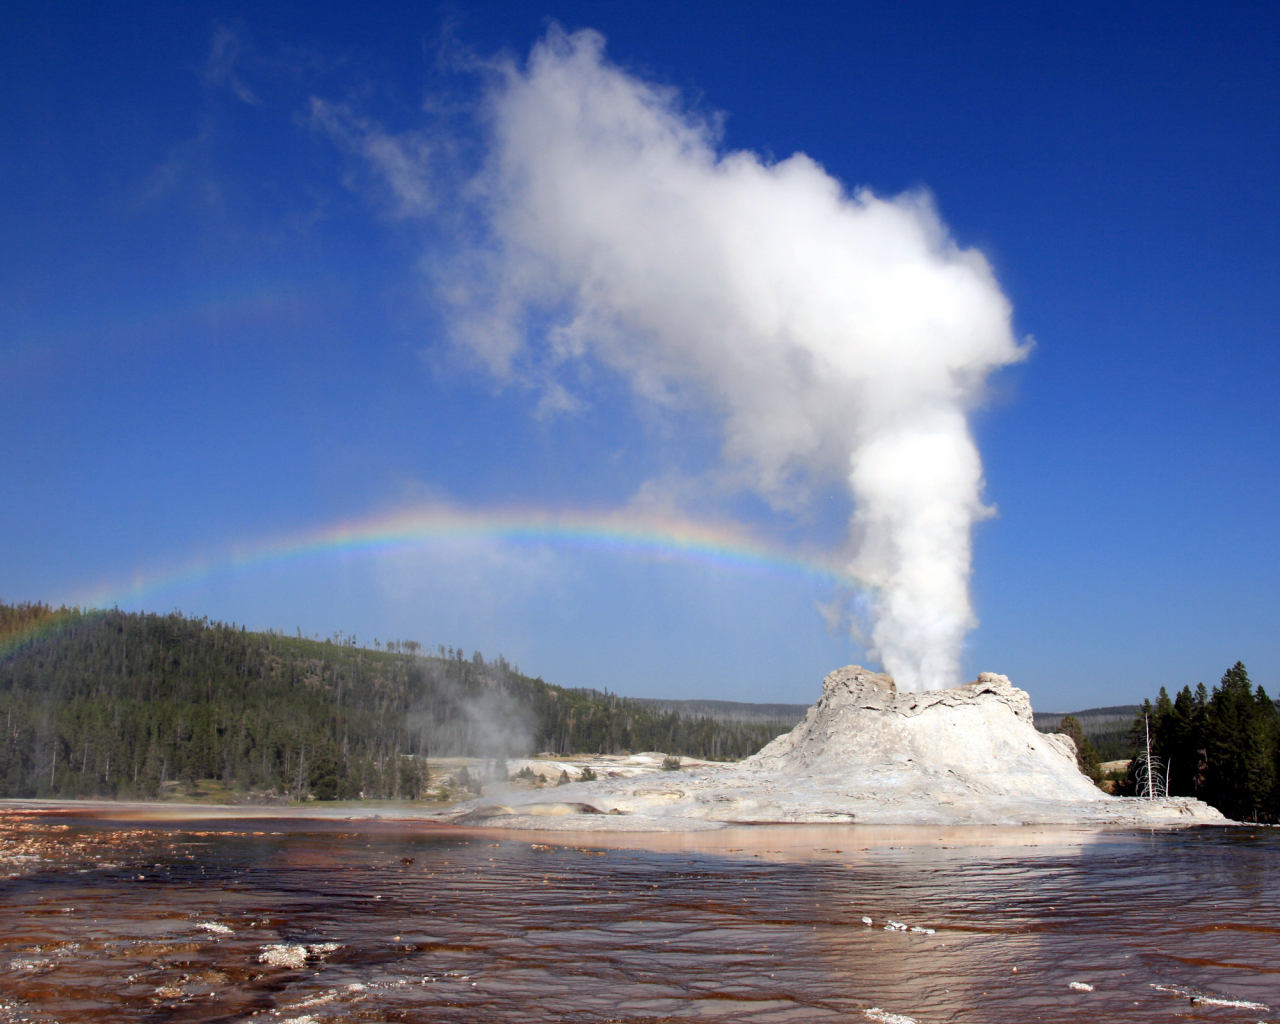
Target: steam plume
{"x": 830, "y": 332}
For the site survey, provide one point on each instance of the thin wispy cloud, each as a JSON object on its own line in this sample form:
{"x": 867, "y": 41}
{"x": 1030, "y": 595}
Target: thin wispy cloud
{"x": 220, "y": 68}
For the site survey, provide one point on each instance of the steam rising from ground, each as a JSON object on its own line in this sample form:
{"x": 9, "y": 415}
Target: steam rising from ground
{"x": 473, "y": 716}
{"x": 831, "y": 333}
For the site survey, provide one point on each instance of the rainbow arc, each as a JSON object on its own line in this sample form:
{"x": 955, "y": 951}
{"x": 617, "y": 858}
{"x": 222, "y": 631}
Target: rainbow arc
{"x": 621, "y": 534}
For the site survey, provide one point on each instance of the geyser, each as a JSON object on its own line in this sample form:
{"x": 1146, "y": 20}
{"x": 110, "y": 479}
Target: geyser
{"x": 830, "y": 332}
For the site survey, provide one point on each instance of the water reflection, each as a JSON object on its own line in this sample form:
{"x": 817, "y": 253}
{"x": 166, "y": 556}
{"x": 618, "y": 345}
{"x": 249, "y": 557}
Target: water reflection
{"x": 316, "y": 921}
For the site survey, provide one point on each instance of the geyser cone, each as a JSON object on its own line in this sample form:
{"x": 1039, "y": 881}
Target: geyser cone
{"x": 939, "y": 745}
{"x": 866, "y": 753}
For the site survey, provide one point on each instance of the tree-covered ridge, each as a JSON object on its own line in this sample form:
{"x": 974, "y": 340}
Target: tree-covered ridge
{"x": 116, "y": 704}
{"x": 1106, "y": 729}
{"x": 1223, "y": 747}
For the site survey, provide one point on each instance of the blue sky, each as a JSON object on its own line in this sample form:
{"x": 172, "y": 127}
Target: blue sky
{"x": 217, "y": 332}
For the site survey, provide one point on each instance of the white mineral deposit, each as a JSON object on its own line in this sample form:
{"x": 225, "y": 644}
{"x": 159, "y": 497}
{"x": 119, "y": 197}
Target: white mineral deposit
{"x": 865, "y": 753}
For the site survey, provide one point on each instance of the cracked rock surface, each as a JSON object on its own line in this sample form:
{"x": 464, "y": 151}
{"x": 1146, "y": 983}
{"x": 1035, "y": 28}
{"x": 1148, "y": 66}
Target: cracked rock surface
{"x": 866, "y": 753}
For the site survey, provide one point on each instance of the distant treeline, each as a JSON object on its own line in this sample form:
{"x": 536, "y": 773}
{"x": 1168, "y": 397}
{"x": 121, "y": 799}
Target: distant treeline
{"x": 730, "y": 710}
{"x": 1106, "y": 729}
{"x": 117, "y": 704}
{"x": 1221, "y": 746}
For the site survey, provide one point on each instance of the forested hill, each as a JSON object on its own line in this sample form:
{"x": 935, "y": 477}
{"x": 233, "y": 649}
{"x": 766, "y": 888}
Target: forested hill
{"x": 115, "y": 704}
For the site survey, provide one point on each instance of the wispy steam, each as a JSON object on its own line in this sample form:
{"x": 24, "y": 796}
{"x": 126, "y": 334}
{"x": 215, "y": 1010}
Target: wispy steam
{"x": 831, "y": 332}
{"x": 475, "y": 718}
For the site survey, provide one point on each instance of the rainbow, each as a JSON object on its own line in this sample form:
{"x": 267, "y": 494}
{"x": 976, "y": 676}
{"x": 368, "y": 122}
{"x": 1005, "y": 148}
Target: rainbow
{"x": 622, "y": 534}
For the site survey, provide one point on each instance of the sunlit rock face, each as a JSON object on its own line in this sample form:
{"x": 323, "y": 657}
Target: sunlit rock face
{"x": 939, "y": 745}
{"x": 867, "y": 754}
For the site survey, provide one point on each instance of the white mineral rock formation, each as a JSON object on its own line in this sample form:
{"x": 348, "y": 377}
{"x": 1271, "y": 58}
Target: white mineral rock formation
{"x": 867, "y": 754}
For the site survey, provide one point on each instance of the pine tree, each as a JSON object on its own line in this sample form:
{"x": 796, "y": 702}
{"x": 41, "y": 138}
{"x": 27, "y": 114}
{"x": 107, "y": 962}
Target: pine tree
{"x": 1181, "y": 745}
{"x": 1230, "y": 743}
{"x": 1086, "y": 756}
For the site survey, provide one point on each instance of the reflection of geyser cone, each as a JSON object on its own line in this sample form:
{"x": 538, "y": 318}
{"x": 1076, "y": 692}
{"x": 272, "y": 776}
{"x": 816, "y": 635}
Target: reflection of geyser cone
{"x": 970, "y": 740}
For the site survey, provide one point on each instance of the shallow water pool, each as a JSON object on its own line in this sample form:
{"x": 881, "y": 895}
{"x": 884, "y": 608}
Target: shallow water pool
{"x": 328, "y": 920}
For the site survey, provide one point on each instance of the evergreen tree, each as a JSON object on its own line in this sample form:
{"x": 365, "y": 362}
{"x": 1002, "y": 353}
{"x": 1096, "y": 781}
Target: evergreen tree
{"x": 1238, "y": 774}
{"x": 1086, "y": 756}
{"x": 1223, "y": 747}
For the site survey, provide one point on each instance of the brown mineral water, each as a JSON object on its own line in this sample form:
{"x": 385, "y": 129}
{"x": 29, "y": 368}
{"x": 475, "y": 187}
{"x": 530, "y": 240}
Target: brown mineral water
{"x": 328, "y": 920}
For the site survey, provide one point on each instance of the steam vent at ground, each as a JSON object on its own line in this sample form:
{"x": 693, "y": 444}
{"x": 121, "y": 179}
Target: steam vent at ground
{"x": 867, "y": 754}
